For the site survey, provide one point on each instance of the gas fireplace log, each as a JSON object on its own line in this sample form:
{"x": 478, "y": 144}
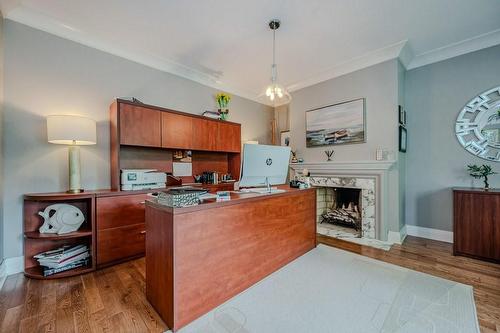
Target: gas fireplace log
{"x": 343, "y": 217}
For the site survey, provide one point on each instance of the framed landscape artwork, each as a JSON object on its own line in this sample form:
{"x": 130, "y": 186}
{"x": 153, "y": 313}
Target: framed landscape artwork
{"x": 342, "y": 123}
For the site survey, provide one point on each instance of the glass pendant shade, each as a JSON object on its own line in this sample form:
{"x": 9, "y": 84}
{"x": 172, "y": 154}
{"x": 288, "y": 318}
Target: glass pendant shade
{"x": 276, "y": 93}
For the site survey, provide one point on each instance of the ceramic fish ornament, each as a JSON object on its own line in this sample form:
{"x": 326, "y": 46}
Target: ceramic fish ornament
{"x": 61, "y": 219}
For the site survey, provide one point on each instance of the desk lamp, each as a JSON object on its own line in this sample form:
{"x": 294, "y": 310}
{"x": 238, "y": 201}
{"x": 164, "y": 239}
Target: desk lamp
{"x": 74, "y": 131}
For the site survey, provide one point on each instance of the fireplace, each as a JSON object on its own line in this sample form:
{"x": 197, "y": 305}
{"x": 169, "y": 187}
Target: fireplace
{"x": 377, "y": 182}
{"x": 339, "y": 208}
{"x": 346, "y": 206}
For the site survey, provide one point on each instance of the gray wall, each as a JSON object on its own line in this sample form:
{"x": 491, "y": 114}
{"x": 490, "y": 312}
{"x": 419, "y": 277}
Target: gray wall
{"x": 46, "y": 75}
{"x": 281, "y": 115}
{"x": 378, "y": 84}
{"x": 1, "y": 135}
{"x": 401, "y": 155}
{"x": 435, "y": 160}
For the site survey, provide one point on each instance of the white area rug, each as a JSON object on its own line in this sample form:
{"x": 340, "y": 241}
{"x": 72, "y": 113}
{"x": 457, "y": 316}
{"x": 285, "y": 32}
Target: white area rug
{"x": 330, "y": 290}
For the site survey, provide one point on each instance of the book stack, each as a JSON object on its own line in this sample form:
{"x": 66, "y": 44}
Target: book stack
{"x": 63, "y": 259}
{"x": 211, "y": 114}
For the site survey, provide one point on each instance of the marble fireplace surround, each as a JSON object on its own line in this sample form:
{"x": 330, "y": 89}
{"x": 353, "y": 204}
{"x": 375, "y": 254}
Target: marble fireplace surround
{"x": 372, "y": 177}
{"x": 368, "y": 207}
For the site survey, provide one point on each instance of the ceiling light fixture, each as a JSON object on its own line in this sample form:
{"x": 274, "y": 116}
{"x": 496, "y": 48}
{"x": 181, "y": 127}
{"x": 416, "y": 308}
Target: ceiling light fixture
{"x": 275, "y": 91}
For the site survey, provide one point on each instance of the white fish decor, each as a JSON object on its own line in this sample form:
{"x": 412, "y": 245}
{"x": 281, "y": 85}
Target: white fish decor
{"x": 61, "y": 219}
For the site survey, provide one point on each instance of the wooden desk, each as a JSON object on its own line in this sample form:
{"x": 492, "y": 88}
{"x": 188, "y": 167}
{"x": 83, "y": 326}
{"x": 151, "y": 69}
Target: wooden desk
{"x": 199, "y": 257}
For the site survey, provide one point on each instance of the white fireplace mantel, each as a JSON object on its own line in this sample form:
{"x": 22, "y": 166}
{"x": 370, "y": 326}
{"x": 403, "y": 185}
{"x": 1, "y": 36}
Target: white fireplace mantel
{"x": 320, "y": 167}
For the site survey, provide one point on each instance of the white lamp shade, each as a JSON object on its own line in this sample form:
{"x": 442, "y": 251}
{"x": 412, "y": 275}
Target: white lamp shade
{"x": 69, "y": 129}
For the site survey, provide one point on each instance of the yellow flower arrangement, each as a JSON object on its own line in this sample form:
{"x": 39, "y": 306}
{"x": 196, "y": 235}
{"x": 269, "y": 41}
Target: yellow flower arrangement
{"x": 223, "y": 100}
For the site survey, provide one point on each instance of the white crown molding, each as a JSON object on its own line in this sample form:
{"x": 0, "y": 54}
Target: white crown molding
{"x": 406, "y": 55}
{"x": 372, "y": 58}
{"x": 45, "y": 23}
{"x": 453, "y": 50}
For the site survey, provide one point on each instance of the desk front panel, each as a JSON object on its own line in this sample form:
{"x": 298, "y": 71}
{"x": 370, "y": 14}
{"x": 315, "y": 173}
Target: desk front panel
{"x": 220, "y": 252}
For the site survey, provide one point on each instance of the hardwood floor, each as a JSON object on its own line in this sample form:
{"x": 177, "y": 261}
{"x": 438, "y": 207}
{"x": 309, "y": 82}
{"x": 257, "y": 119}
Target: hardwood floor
{"x": 113, "y": 300}
{"x": 108, "y": 300}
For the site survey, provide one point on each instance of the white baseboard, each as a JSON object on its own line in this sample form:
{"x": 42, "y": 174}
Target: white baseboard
{"x": 435, "y": 234}
{"x": 404, "y": 233}
{"x": 394, "y": 237}
{"x": 10, "y": 266}
{"x": 3, "y": 273}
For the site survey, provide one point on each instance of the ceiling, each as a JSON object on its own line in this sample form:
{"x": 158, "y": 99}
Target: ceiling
{"x": 227, "y": 44}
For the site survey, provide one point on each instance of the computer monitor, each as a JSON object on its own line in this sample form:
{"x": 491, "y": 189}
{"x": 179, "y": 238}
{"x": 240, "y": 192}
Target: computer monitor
{"x": 264, "y": 165}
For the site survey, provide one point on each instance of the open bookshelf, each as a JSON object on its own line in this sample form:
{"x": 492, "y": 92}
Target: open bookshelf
{"x": 35, "y": 242}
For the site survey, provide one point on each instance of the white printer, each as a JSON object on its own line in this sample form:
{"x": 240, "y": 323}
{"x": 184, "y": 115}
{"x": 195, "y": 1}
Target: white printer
{"x": 142, "y": 179}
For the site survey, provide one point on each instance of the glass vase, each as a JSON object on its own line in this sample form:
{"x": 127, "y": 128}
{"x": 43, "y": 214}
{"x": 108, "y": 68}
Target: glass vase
{"x": 223, "y": 114}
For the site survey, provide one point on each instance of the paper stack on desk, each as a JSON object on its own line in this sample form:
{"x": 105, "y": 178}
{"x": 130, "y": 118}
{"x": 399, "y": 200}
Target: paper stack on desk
{"x": 180, "y": 197}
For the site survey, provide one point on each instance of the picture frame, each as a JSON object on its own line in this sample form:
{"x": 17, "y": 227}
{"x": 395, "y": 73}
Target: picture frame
{"x": 403, "y": 139}
{"x": 336, "y": 124}
{"x": 285, "y": 138}
{"x": 401, "y": 115}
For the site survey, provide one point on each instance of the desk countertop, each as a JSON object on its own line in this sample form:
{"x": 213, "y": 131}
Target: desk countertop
{"x": 236, "y": 198}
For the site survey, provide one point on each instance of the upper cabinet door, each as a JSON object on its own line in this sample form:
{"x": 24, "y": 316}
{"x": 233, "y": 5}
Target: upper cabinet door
{"x": 204, "y": 134}
{"x": 140, "y": 126}
{"x": 177, "y": 131}
{"x": 228, "y": 137}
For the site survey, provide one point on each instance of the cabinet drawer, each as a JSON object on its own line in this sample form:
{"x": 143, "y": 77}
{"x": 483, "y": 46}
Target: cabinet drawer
{"x": 121, "y": 210}
{"x": 120, "y": 243}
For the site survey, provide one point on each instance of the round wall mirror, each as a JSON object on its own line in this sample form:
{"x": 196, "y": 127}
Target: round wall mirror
{"x": 478, "y": 125}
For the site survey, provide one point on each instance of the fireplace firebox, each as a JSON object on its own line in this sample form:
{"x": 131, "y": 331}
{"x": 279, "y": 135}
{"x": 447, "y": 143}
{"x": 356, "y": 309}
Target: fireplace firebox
{"x": 342, "y": 207}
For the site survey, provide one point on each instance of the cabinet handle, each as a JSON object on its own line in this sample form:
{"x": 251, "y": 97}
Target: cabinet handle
{"x": 143, "y": 232}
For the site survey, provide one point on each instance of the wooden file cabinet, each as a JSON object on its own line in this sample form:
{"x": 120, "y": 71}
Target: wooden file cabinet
{"x": 120, "y": 227}
{"x": 476, "y": 227}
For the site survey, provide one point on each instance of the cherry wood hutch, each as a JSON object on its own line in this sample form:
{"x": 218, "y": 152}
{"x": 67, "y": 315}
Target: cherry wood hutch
{"x": 141, "y": 137}
{"x": 145, "y": 136}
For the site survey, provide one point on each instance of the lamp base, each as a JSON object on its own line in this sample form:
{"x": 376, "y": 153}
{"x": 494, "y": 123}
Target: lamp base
{"x": 74, "y": 169}
{"x": 81, "y": 190}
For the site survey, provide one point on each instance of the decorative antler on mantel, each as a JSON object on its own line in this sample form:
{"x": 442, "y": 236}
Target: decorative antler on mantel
{"x": 329, "y": 154}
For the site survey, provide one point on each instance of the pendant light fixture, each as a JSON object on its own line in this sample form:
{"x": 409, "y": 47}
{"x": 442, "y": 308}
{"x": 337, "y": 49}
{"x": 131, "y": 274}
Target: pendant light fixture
{"x": 276, "y": 93}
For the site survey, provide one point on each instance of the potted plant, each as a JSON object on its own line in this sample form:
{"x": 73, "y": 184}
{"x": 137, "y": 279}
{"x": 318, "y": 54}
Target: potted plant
{"x": 482, "y": 171}
{"x": 223, "y": 100}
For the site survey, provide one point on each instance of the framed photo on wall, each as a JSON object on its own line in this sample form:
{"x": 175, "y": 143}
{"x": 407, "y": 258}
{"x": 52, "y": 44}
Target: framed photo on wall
{"x": 403, "y": 139}
{"x": 341, "y": 123}
{"x": 402, "y": 116}
{"x": 285, "y": 138}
